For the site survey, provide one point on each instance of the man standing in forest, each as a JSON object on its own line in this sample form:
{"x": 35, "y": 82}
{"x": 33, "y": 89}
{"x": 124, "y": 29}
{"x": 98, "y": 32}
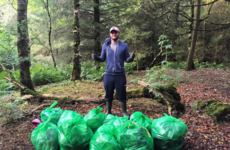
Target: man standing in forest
{"x": 115, "y": 52}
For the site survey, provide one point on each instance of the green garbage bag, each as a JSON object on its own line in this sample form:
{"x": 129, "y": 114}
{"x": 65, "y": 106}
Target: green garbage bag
{"x": 132, "y": 136}
{"x": 74, "y": 133}
{"x": 94, "y": 119}
{"x": 48, "y": 112}
{"x": 45, "y": 136}
{"x": 168, "y": 133}
{"x": 142, "y": 120}
{"x": 115, "y": 120}
{"x": 105, "y": 139}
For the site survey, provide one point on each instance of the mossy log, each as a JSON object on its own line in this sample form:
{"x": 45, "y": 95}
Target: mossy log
{"x": 136, "y": 93}
{"x": 217, "y": 110}
{"x": 168, "y": 96}
{"x": 31, "y": 94}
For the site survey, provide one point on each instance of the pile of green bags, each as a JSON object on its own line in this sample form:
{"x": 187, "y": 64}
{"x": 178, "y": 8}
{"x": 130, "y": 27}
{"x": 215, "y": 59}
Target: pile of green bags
{"x": 168, "y": 133}
{"x": 94, "y": 119}
{"x": 141, "y": 120}
{"x": 115, "y": 120}
{"x": 74, "y": 132}
{"x": 49, "y": 112}
{"x": 132, "y": 136}
{"x": 68, "y": 130}
{"x": 45, "y": 136}
{"x": 105, "y": 139}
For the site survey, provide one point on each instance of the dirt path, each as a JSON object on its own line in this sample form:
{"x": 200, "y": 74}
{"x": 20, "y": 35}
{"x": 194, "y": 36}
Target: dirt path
{"x": 202, "y": 133}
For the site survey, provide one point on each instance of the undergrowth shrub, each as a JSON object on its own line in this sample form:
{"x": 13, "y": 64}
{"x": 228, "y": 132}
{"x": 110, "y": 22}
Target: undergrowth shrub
{"x": 129, "y": 67}
{"x": 169, "y": 65}
{"x": 163, "y": 75}
{"x": 89, "y": 71}
{"x": 40, "y": 75}
{"x": 209, "y": 65}
{"x": 174, "y": 65}
{"x": 6, "y": 87}
{"x": 182, "y": 65}
{"x": 162, "y": 78}
{"x": 11, "y": 111}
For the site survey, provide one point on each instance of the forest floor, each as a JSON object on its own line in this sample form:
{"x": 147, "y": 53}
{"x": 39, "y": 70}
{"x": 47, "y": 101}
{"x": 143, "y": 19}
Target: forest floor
{"x": 202, "y": 84}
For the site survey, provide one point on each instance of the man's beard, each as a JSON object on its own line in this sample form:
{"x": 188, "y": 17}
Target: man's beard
{"x": 115, "y": 40}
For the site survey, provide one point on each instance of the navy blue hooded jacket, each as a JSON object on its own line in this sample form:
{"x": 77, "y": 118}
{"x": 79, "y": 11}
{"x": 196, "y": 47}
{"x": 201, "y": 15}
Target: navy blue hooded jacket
{"x": 114, "y": 61}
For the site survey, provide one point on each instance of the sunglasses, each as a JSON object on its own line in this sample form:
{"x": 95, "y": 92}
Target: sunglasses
{"x": 113, "y": 32}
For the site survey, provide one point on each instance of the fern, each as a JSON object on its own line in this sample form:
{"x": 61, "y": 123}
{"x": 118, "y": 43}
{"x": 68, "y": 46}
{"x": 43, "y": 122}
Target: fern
{"x": 89, "y": 71}
{"x": 129, "y": 67}
{"x": 209, "y": 65}
{"x": 10, "y": 111}
{"x": 42, "y": 75}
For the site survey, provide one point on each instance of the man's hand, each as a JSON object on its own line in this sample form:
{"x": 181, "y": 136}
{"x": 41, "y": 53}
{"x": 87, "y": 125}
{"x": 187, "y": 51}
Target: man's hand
{"x": 131, "y": 58}
{"x": 132, "y": 55}
{"x": 94, "y": 56}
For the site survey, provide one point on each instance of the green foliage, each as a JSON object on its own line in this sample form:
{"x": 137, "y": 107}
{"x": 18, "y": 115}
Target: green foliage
{"x": 165, "y": 46}
{"x": 8, "y": 53}
{"x": 157, "y": 77}
{"x": 42, "y": 75}
{"x": 3, "y": 2}
{"x": 90, "y": 71}
{"x": 182, "y": 65}
{"x": 129, "y": 67}
{"x": 10, "y": 111}
{"x": 5, "y": 86}
{"x": 209, "y": 65}
{"x": 194, "y": 105}
{"x": 174, "y": 65}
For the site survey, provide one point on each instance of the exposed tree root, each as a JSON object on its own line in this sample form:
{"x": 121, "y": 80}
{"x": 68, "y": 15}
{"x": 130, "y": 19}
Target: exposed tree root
{"x": 168, "y": 96}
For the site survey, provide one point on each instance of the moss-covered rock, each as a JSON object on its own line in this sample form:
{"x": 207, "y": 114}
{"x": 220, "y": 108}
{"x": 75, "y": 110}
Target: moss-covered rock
{"x": 217, "y": 110}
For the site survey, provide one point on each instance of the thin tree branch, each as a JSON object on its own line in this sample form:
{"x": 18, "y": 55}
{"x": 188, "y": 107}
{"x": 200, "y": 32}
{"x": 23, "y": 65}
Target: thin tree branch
{"x": 213, "y": 29}
{"x": 217, "y": 23}
{"x": 2, "y": 46}
{"x": 12, "y": 5}
{"x": 10, "y": 75}
{"x": 43, "y": 44}
{"x": 202, "y": 4}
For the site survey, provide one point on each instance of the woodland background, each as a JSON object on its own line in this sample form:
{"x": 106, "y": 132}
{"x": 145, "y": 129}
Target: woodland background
{"x": 47, "y": 44}
{"x": 141, "y": 23}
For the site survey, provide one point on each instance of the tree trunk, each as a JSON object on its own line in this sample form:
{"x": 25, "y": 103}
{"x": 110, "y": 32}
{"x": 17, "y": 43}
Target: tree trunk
{"x": 177, "y": 13}
{"x": 137, "y": 57}
{"x": 97, "y": 46}
{"x": 23, "y": 46}
{"x": 50, "y": 31}
{"x": 76, "y": 72}
{"x": 204, "y": 42}
{"x": 190, "y": 63}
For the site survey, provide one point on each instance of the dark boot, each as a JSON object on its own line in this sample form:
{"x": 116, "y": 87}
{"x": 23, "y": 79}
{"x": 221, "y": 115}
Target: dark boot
{"x": 123, "y": 106}
{"x": 109, "y": 107}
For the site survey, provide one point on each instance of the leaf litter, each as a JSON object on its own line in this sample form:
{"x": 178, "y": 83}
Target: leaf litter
{"x": 203, "y": 132}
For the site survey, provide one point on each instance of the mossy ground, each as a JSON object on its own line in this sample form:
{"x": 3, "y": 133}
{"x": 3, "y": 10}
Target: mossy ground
{"x": 217, "y": 110}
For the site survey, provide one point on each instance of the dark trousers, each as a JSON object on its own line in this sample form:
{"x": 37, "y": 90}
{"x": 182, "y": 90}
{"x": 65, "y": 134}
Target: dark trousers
{"x": 117, "y": 82}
